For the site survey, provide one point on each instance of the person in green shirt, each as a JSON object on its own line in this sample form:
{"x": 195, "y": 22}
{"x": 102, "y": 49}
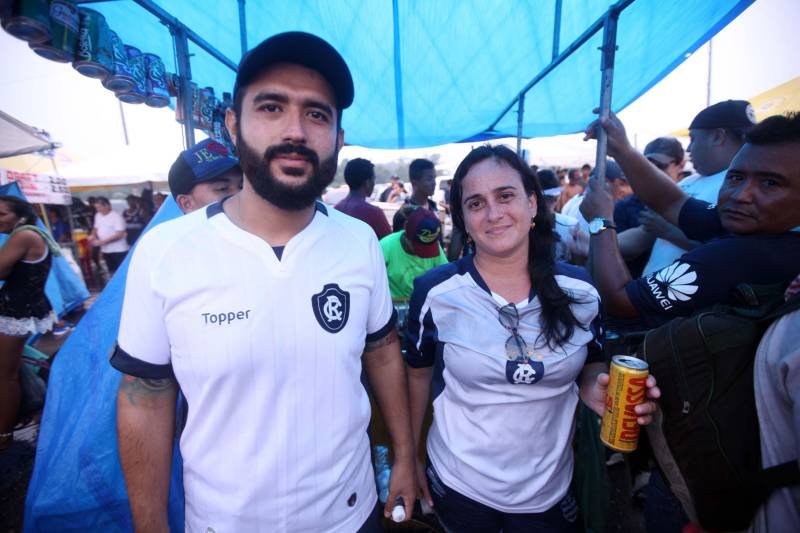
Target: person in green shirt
{"x": 412, "y": 252}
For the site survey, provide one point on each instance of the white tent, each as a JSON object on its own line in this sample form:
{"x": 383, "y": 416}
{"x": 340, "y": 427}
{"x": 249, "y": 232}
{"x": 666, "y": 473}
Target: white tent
{"x": 17, "y": 138}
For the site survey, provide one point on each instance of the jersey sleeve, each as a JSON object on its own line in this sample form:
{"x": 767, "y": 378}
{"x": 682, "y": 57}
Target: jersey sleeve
{"x": 594, "y": 352}
{"x": 700, "y": 221}
{"x": 382, "y": 316}
{"x": 143, "y": 348}
{"x": 698, "y": 279}
{"x": 420, "y": 332}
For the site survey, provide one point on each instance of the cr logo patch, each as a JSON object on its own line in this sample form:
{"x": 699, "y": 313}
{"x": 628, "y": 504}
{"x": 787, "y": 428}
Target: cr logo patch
{"x": 524, "y": 372}
{"x": 331, "y": 307}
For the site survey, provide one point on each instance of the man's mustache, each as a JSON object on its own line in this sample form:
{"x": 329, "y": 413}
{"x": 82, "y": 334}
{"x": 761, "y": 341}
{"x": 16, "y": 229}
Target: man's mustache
{"x": 296, "y": 149}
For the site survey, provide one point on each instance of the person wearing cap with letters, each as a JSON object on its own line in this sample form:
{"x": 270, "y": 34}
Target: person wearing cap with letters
{"x": 412, "y": 252}
{"x": 203, "y": 174}
{"x": 263, "y": 308}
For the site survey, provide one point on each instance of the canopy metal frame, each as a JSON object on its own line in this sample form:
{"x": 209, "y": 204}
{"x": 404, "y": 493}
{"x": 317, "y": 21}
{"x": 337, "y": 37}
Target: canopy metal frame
{"x": 608, "y": 23}
{"x": 182, "y": 34}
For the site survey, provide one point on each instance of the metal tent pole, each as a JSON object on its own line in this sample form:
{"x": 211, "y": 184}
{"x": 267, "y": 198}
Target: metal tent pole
{"x": 398, "y": 78}
{"x": 520, "y": 117}
{"x": 243, "y": 26}
{"x": 185, "y": 76}
{"x": 572, "y": 48}
{"x": 608, "y": 50}
{"x": 557, "y": 30}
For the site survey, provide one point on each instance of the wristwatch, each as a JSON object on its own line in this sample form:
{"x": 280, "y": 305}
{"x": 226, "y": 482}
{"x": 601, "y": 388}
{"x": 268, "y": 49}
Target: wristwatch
{"x": 598, "y": 225}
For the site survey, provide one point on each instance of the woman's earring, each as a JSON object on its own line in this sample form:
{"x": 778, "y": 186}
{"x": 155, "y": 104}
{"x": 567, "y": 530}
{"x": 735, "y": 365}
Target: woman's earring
{"x": 469, "y": 240}
{"x": 533, "y": 224}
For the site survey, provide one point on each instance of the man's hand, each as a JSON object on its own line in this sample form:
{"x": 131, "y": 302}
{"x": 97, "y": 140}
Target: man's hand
{"x": 615, "y": 133}
{"x": 657, "y": 225}
{"x": 402, "y": 483}
{"x": 598, "y": 201}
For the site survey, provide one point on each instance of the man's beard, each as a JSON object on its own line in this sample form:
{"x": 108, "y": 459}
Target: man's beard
{"x": 256, "y": 169}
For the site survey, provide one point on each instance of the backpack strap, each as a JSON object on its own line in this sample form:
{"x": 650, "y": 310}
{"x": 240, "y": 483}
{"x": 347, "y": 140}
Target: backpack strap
{"x": 775, "y": 477}
{"x": 52, "y": 245}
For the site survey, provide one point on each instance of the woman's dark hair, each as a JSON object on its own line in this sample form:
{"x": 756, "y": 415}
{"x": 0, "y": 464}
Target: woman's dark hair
{"x": 557, "y": 320}
{"x": 22, "y": 209}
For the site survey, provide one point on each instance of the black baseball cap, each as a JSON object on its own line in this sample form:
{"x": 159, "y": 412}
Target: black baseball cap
{"x": 299, "y": 48}
{"x": 664, "y": 150}
{"x": 727, "y": 114}
{"x": 207, "y": 160}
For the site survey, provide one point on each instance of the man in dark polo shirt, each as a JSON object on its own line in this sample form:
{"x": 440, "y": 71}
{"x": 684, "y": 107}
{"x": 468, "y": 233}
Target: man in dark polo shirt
{"x": 360, "y": 177}
{"x": 751, "y": 235}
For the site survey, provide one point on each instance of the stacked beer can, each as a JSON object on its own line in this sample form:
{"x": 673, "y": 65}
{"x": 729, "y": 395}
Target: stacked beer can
{"x": 60, "y": 30}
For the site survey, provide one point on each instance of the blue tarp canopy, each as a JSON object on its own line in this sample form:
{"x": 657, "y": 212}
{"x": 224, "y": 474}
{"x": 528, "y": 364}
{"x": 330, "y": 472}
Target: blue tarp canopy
{"x": 434, "y": 72}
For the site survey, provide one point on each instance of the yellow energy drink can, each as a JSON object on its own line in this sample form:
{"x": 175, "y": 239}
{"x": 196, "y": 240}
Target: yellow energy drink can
{"x": 626, "y": 390}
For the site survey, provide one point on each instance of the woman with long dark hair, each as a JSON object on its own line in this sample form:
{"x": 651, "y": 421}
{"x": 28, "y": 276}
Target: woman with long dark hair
{"x": 509, "y": 339}
{"x": 25, "y": 261}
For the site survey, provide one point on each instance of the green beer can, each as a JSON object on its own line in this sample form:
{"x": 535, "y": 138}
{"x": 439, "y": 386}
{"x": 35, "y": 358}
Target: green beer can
{"x": 28, "y": 20}
{"x": 64, "y": 26}
{"x": 93, "y": 54}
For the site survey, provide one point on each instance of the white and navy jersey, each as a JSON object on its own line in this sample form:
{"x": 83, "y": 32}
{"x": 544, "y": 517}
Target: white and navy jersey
{"x": 500, "y": 435}
{"x": 708, "y": 274}
{"x": 268, "y": 355}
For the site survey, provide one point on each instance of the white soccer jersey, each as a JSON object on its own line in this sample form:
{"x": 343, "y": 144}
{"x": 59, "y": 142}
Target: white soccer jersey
{"x": 268, "y": 355}
{"x": 501, "y": 433}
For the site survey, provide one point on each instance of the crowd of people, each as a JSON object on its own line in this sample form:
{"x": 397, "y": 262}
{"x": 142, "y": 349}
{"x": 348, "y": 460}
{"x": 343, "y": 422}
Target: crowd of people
{"x": 271, "y": 314}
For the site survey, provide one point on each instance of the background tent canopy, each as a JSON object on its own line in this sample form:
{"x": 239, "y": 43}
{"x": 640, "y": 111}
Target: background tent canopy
{"x": 17, "y": 138}
{"x": 429, "y": 73}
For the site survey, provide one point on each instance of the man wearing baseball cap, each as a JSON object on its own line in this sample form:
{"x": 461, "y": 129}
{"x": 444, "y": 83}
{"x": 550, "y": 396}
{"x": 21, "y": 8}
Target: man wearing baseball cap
{"x": 716, "y": 134}
{"x": 412, "y": 252}
{"x": 263, "y": 308}
{"x": 203, "y": 174}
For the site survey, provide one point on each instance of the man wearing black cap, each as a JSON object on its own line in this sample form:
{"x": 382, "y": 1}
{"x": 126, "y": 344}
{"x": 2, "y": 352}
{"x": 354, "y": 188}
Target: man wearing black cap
{"x": 203, "y": 174}
{"x": 260, "y": 308}
{"x": 750, "y": 235}
{"x": 716, "y": 134}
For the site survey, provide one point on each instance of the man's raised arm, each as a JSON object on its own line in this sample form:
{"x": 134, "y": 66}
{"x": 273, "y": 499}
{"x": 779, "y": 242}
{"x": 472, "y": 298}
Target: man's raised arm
{"x": 653, "y": 187}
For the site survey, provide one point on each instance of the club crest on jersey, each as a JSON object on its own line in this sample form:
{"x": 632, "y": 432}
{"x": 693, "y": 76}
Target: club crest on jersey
{"x": 524, "y": 372}
{"x": 331, "y": 307}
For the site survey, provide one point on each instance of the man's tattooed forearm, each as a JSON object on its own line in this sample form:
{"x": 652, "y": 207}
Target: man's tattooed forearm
{"x": 136, "y": 388}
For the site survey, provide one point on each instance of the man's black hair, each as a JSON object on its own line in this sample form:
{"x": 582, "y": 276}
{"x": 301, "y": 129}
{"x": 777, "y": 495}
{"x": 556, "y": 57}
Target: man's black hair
{"x": 586, "y": 165}
{"x": 417, "y": 166}
{"x": 775, "y": 130}
{"x": 357, "y": 172}
{"x": 101, "y": 200}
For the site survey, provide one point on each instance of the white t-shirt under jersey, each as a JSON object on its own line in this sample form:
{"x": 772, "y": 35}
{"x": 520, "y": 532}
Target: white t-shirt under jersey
{"x": 268, "y": 355}
{"x": 705, "y": 188}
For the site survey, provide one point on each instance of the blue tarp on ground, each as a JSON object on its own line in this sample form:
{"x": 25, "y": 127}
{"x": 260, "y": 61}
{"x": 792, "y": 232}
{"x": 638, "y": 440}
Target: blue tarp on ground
{"x": 77, "y": 482}
{"x": 64, "y": 288}
{"x": 433, "y": 72}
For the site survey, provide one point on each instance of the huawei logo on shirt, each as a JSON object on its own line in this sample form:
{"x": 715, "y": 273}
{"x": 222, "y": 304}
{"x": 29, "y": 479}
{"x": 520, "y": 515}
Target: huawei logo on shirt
{"x": 674, "y": 284}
